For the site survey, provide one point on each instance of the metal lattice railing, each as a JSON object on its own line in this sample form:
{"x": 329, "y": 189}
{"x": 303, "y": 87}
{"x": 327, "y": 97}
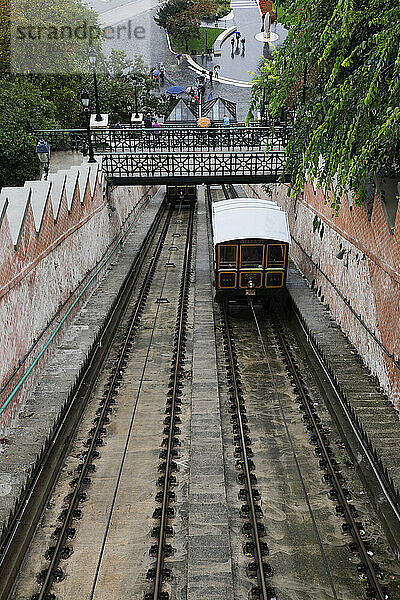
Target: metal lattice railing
{"x": 170, "y": 139}
{"x": 196, "y": 166}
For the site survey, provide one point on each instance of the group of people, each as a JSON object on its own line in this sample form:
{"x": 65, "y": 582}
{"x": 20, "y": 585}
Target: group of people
{"x": 150, "y": 123}
{"x": 159, "y": 74}
{"x": 239, "y": 40}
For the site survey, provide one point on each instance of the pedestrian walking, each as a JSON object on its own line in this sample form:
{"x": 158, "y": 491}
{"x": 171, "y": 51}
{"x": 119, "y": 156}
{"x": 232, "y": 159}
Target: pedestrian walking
{"x": 232, "y": 44}
{"x": 243, "y": 42}
{"x": 179, "y": 58}
{"x": 212, "y": 134}
{"x": 210, "y": 74}
{"x": 147, "y": 121}
{"x": 216, "y": 71}
{"x": 156, "y": 126}
{"x": 238, "y": 35}
{"x": 216, "y": 19}
{"x": 226, "y": 120}
{"x": 162, "y": 72}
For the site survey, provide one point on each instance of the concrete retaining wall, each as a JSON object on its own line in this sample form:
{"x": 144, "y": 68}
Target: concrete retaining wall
{"x": 363, "y": 289}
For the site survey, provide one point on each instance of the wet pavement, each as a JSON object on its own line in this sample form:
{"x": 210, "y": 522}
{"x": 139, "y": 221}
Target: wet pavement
{"x": 154, "y": 49}
{"x": 239, "y": 62}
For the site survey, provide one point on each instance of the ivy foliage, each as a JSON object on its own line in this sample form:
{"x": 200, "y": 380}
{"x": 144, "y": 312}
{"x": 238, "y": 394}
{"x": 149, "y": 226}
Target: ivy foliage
{"x": 339, "y": 70}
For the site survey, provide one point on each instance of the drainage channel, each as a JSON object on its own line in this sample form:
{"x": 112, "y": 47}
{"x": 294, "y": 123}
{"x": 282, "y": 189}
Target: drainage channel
{"x": 367, "y": 570}
{"x": 160, "y": 573}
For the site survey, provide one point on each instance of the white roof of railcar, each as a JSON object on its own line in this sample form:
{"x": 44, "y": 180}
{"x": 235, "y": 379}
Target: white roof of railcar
{"x": 243, "y": 218}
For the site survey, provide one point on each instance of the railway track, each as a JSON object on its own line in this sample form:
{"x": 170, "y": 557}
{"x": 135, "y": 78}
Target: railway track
{"x": 54, "y": 572}
{"x": 338, "y": 492}
{"x": 75, "y": 506}
{"x": 21, "y": 526}
{"x": 157, "y": 569}
{"x": 161, "y": 550}
{"x": 366, "y": 570}
{"x": 253, "y": 529}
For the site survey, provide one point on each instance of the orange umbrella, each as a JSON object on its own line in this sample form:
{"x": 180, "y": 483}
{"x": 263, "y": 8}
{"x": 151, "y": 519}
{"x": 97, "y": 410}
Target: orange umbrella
{"x": 203, "y": 122}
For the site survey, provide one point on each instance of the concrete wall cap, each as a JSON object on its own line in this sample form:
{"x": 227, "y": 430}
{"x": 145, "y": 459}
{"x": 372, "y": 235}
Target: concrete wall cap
{"x": 39, "y": 195}
{"x": 70, "y": 185}
{"x": 94, "y": 173}
{"x": 83, "y": 176}
{"x": 18, "y": 199}
{"x": 3, "y": 204}
{"x": 57, "y": 181}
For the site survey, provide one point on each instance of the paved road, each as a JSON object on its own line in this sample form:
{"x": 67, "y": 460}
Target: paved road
{"x": 238, "y": 62}
{"x": 131, "y": 28}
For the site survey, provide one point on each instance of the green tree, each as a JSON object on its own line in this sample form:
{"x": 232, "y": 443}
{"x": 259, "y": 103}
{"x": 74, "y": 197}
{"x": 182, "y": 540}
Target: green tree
{"x": 51, "y": 36}
{"x": 170, "y": 9}
{"x": 180, "y": 18}
{"x": 205, "y": 9}
{"x": 183, "y": 27}
{"x": 21, "y": 101}
{"x": 116, "y": 86}
{"x": 339, "y": 68}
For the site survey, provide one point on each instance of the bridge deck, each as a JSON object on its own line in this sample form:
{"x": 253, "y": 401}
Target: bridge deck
{"x": 230, "y": 154}
{"x": 133, "y": 168}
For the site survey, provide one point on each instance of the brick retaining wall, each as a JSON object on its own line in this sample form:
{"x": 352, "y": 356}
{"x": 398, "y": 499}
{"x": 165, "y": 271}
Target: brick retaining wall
{"x": 52, "y": 235}
{"x": 363, "y": 289}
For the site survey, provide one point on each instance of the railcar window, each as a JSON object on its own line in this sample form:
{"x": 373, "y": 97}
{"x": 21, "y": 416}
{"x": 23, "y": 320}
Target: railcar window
{"x": 276, "y": 256}
{"x": 274, "y": 280}
{"x": 227, "y": 257}
{"x": 227, "y": 280}
{"x": 251, "y": 256}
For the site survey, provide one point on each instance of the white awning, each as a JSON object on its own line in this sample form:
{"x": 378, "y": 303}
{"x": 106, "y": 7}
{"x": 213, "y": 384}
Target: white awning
{"x": 244, "y": 218}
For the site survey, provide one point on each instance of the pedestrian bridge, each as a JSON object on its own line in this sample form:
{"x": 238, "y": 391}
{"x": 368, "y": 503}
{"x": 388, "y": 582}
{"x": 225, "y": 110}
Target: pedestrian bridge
{"x": 135, "y": 168}
{"x": 183, "y": 154}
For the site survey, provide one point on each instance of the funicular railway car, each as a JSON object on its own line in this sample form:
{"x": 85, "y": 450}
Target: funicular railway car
{"x": 251, "y": 245}
{"x": 177, "y": 194}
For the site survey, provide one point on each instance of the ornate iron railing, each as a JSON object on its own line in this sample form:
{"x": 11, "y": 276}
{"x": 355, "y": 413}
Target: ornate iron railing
{"x": 195, "y": 167}
{"x": 171, "y": 139}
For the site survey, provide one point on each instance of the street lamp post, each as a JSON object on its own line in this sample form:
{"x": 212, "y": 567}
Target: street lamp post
{"x": 85, "y": 99}
{"x": 129, "y": 109}
{"x": 93, "y": 61}
{"x": 206, "y": 39}
{"x": 43, "y": 153}
{"x": 134, "y": 81}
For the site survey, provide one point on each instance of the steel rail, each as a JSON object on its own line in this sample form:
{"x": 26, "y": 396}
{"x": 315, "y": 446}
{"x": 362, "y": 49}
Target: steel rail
{"x": 176, "y": 375}
{"x": 245, "y": 459}
{"x": 33, "y": 501}
{"x": 331, "y": 468}
{"x": 50, "y": 573}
